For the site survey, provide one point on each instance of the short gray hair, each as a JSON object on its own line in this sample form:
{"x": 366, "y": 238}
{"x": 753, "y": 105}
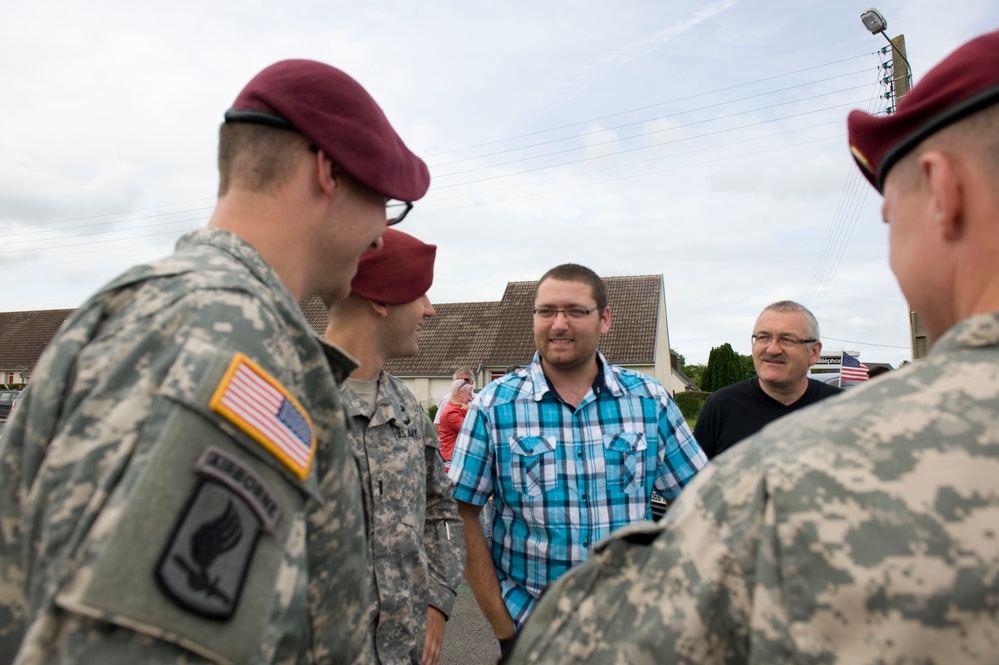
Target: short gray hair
{"x": 457, "y": 386}
{"x": 786, "y": 306}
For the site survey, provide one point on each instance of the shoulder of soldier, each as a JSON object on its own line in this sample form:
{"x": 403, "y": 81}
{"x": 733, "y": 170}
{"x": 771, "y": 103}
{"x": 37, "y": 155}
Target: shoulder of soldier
{"x": 400, "y": 392}
{"x": 200, "y": 274}
{"x": 819, "y": 438}
{"x": 398, "y": 386}
{"x": 407, "y": 399}
{"x": 404, "y": 394}
{"x": 206, "y": 264}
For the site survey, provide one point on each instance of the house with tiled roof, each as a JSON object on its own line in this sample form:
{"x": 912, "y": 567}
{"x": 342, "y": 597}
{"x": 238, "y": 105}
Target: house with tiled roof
{"x": 23, "y": 337}
{"x": 487, "y": 337}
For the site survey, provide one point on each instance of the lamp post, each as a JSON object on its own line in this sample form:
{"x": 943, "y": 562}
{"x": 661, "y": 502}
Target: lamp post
{"x": 875, "y": 22}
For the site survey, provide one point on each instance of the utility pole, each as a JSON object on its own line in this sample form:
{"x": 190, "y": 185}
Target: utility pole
{"x": 900, "y": 86}
{"x": 902, "y": 74}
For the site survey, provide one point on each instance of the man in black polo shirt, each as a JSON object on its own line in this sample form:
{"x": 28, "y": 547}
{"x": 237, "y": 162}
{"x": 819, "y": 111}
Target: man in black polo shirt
{"x": 785, "y": 344}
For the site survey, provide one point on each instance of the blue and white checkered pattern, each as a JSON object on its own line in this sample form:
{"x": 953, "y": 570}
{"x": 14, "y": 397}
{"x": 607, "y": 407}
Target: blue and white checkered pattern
{"x": 562, "y": 480}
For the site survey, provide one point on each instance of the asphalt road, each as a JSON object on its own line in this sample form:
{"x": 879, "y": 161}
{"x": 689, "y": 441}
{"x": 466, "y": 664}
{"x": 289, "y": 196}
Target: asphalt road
{"x": 468, "y": 639}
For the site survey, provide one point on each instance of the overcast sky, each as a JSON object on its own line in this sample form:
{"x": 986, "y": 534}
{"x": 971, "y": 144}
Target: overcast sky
{"x": 701, "y": 140}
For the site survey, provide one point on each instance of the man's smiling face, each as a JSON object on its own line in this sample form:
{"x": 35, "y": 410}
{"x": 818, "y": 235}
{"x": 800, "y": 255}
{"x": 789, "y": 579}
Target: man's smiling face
{"x": 565, "y": 343}
{"x": 778, "y": 366}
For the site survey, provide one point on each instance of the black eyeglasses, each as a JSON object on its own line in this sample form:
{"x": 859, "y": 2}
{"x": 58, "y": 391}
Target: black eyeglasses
{"x": 782, "y": 341}
{"x": 396, "y": 211}
{"x": 570, "y": 313}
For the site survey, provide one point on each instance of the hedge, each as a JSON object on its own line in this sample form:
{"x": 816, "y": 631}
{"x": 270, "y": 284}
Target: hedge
{"x": 690, "y": 402}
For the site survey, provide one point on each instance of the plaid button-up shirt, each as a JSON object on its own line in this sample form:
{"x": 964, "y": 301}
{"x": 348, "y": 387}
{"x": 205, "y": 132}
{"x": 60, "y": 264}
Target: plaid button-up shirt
{"x": 562, "y": 478}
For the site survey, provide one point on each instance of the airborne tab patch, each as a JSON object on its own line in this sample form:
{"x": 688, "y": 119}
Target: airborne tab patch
{"x": 259, "y": 405}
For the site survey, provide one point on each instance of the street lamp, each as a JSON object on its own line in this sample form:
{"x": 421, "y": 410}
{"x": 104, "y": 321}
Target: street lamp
{"x": 876, "y": 23}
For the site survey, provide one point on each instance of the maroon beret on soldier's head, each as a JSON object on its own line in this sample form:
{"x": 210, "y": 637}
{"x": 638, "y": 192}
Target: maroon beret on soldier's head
{"x": 400, "y": 272}
{"x": 335, "y": 113}
{"x": 966, "y": 81}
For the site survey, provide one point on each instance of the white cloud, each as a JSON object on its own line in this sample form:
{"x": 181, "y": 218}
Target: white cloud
{"x": 708, "y": 164}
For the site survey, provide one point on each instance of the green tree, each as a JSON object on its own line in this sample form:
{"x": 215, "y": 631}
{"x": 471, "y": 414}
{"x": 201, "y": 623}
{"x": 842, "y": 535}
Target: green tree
{"x": 695, "y": 373}
{"x": 692, "y": 372}
{"x": 724, "y": 368}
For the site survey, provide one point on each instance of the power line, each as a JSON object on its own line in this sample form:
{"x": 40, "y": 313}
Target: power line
{"x": 844, "y": 223}
{"x": 670, "y": 129}
{"x": 694, "y": 151}
{"x": 77, "y": 243}
{"x": 92, "y": 229}
{"x": 850, "y": 341}
{"x": 640, "y": 148}
{"x": 650, "y": 106}
{"x": 125, "y": 212}
{"x": 646, "y": 120}
{"x": 97, "y": 224}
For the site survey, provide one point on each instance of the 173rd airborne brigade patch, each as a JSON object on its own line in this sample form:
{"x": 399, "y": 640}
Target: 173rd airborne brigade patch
{"x": 205, "y": 562}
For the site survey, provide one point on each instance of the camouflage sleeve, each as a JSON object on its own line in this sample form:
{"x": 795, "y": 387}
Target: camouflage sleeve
{"x": 108, "y": 543}
{"x": 443, "y": 533}
{"x": 680, "y": 591}
{"x": 12, "y": 600}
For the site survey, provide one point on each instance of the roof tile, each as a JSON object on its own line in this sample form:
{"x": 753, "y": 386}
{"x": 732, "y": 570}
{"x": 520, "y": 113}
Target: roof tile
{"x": 501, "y": 333}
{"x": 24, "y": 335}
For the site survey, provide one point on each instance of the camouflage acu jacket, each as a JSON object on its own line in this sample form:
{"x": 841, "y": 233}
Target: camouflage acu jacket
{"x": 416, "y": 537}
{"x": 864, "y": 529}
{"x": 177, "y": 485}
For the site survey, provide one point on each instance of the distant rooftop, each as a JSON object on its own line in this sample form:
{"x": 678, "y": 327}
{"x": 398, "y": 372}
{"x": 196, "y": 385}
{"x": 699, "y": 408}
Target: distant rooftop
{"x": 24, "y": 335}
{"x": 465, "y": 334}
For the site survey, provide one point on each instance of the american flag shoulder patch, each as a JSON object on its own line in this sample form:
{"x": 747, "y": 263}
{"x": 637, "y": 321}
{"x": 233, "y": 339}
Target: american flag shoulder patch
{"x": 259, "y": 405}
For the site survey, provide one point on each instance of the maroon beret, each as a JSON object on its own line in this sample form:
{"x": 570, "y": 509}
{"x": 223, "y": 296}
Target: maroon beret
{"x": 966, "y": 81}
{"x": 335, "y": 113}
{"x": 400, "y": 272}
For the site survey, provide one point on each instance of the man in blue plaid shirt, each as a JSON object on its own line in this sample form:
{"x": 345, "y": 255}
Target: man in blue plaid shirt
{"x": 570, "y": 447}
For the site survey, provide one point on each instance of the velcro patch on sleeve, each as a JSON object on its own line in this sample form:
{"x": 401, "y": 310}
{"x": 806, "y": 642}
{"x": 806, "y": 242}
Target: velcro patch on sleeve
{"x": 259, "y": 405}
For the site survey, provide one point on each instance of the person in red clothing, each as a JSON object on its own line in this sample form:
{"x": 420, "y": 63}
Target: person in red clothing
{"x": 453, "y": 416}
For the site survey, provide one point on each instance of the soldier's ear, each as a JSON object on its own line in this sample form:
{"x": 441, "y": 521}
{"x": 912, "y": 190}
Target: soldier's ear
{"x": 379, "y": 308}
{"x": 942, "y": 176}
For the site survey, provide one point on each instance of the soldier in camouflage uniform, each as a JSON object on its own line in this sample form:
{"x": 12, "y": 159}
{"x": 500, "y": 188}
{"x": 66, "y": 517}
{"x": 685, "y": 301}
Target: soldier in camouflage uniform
{"x": 177, "y": 487}
{"x": 862, "y": 529}
{"x": 416, "y": 537}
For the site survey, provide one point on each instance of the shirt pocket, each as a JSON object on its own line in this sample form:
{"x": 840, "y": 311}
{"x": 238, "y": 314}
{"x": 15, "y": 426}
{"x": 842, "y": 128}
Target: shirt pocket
{"x": 533, "y": 464}
{"x": 625, "y": 460}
